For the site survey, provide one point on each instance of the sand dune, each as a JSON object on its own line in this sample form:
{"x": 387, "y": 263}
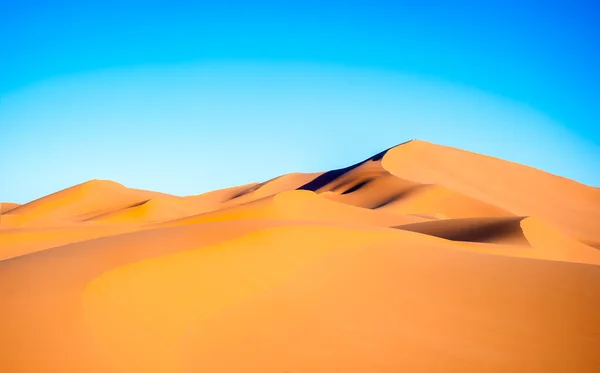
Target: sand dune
{"x": 537, "y": 238}
{"x": 81, "y": 201}
{"x": 593, "y": 244}
{"x": 7, "y": 206}
{"x": 271, "y": 187}
{"x": 518, "y": 189}
{"x": 485, "y": 230}
{"x": 422, "y": 258}
{"x": 217, "y": 197}
{"x": 239, "y": 195}
{"x": 21, "y": 241}
{"x": 152, "y": 210}
{"x": 368, "y": 184}
{"x": 298, "y": 205}
{"x": 349, "y": 299}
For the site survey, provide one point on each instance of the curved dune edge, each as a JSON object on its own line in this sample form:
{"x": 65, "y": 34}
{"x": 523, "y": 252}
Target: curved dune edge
{"x": 442, "y": 201}
{"x": 287, "y": 206}
{"x": 516, "y": 188}
{"x": 298, "y": 205}
{"x": 239, "y": 195}
{"x": 68, "y": 201}
{"x": 595, "y": 245}
{"x": 271, "y": 187}
{"x": 369, "y": 184}
{"x": 527, "y": 237}
{"x": 79, "y": 203}
{"x": 483, "y": 230}
{"x": 247, "y": 296}
{"x": 153, "y": 210}
{"x": 7, "y": 206}
{"x": 301, "y": 273}
{"x": 219, "y": 196}
{"x": 409, "y": 183}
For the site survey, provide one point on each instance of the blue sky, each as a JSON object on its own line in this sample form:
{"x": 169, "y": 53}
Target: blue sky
{"x": 185, "y": 97}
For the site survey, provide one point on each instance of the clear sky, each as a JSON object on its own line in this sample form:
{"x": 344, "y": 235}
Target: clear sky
{"x": 188, "y": 96}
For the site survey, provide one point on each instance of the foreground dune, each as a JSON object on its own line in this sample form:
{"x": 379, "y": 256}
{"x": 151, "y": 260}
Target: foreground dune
{"x": 340, "y": 299}
{"x": 422, "y": 258}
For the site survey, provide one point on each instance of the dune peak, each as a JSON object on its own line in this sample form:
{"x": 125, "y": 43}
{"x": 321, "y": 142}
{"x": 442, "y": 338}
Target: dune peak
{"x": 178, "y": 284}
{"x": 101, "y": 183}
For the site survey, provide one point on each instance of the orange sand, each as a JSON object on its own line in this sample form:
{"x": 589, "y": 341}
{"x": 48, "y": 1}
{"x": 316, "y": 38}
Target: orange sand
{"x": 423, "y": 258}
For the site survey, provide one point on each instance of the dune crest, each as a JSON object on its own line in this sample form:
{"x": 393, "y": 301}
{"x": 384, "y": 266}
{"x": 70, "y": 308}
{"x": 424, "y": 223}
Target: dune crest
{"x": 81, "y": 199}
{"x": 528, "y": 237}
{"x": 422, "y": 258}
{"x": 152, "y": 210}
{"x": 298, "y": 205}
{"x": 369, "y": 184}
{"x": 7, "y": 206}
{"x": 518, "y": 189}
{"x": 483, "y": 230}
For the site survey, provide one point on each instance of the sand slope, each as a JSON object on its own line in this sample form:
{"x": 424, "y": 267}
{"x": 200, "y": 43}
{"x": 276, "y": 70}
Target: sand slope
{"x": 7, "y": 206}
{"x": 484, "y": 230}
{"x": 422, "y": 258}
{"x": 152, "y": 210}
{"x": 521, "y": 190}
{"x": 79, "y": 202}
{"x": 529, "y": 237}
{"x": 368, "y": 184}
{"x": 349, "y": 299}
{"x": 299, "y": 205}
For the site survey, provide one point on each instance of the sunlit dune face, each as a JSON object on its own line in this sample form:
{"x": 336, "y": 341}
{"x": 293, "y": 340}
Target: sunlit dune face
{"x": 422, "y": 258}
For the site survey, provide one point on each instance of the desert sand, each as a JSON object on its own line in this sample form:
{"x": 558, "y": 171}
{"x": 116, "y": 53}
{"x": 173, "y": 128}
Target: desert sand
{"x": 422, "y": 258}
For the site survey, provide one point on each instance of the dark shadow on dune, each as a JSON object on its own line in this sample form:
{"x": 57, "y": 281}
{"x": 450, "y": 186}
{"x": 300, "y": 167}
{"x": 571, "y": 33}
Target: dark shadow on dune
{"x": 138, "y": 204}
{"x": 398, "y": 196}
{"x": 253, "y": 188}
{"x": 357, "y": 186}
{"x": 595, "y": 245}
{"x": 484, "y": 230}
{"x": 10, "y": 210}
{"x": 390, "y": 199}
{"x": 98, "y": 214}
{"x": 328, "y": 177}
{"x": 245, "y": 191}
{"x": 6, "y": 207}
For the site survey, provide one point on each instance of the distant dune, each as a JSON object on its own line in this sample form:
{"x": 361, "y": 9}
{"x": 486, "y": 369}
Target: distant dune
{"x": 422, "y": 258}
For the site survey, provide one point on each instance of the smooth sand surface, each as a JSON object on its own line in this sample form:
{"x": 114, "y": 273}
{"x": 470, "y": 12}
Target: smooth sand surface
{"x": 298, "y": 205}
{"x": 7, "y": 206}
{"x": 518, "y": 189}
{"x": 528, "y": 237}
{"x": 422, "y": 258}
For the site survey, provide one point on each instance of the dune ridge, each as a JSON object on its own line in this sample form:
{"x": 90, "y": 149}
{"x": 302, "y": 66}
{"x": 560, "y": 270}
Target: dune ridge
{"x": 528, "y": 237}
{"x": 7, "y": 206}
{"x": 421, "y": 258}
{"x": 369, "y": 184}
{"x": 518, "y": 189}
{"x": 297, "y": 205}
{"x": 483, "y": 230}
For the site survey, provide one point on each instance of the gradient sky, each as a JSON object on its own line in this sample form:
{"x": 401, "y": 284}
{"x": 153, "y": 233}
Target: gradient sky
{"x": 188, "y": 96}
